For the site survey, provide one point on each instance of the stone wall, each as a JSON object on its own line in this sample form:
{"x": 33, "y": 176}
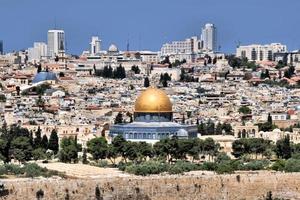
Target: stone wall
{"x": 187, "y": 187}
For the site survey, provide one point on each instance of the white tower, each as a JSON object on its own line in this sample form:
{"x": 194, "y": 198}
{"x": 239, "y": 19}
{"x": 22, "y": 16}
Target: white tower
{"x": 209, "y": 37}
{"x": 95, "y": 45}
{"x": 56, "y": 42}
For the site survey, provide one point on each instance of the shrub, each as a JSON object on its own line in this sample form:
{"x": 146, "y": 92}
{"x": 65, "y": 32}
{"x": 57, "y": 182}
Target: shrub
{"x": 236, "y": 164}
{"x": 28, "y": 170}
{"x": 175, "y": 169}
{"x": 279, "y": 165}
{"x": 102, "y": 163}
{"x": 292, "y": 165}
{"x": 2, "y": 170}
{"x": 209, "y": 166}
{"x": 33, "y": 170}
{"x": 146, "y": 168}
{"x": 186, "y": 166}
{"x": 255, "y": 165}
{"x": 222, "y": 157}
{"x": 225, "y": 167}
{"x": 296, "y": 156}
{"x": 14, "y": 169}
{"x": 122, "y": 166}
{"x": 39, "y": 154}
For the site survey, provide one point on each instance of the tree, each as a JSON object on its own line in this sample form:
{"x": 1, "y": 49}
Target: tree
{"x": 270, "y": 119}
{"x": 219, "y": 129}
{"x": 53, "y": 142}
{"x": 38, "y": 139}
{"x": 18, "y": 90}
{"x": 119, "y": 118}
{"x": 61, "y": 74}
{"x": 146, "y": 82}
{"x": 69, "y": 150}
{"x": 280, "y": 64}
{"x": 234, "y": 62}
{"x": 144, "y": 150}
{"x": 3, "y": 144}
{"x": 40, "y": 102}
{"x": 131, "y": 151}
{"x": 210, "y": 147}
{"x": 8, "y": 135}
{"x": 112, "y": 153}
{"x": 39, "y": 154}
{"x": 21, "y": 149}
{"x": 202, "y": 128}
{"x": 215, "y": 60}
{"x": 84, "y": 156}
{"x": 283, "y": 148}
{"x": 245, "y": 110}
{"x": 252, "y": 146}
{"x": 167, "y": 61}
{"x": 165, "y": 83}
{"x": 56, "y": 59}
{"x": 290, "y": 72}
{"x": 135, "y": 69}
{"x": 98, "y": 148}
{"x": 197, "y": 148}
{"x": 227, "y": 128}
{"x": 39, "y": 68}
{"x": 238, "y": 148}
{"x": 44, "y": 142}
{"x": 164, "y": 78}
{"x": 119, "y": 144}
{"x": 210, "y": 127}
{"x": 2, "y": 98}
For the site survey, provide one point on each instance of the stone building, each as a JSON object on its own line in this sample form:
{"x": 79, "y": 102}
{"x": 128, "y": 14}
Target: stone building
{"x": 153, "y": 120}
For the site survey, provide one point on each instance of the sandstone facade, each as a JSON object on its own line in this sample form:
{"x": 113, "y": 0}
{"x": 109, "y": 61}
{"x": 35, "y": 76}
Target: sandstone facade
{"x": 186, "y": 187}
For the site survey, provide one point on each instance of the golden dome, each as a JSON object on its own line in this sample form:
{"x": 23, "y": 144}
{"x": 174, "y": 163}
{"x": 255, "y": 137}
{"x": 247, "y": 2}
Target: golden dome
{"x": 153, "y": 100}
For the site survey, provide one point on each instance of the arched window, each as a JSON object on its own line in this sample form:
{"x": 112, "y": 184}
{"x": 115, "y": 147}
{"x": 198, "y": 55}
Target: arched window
{"x": 239, "y": 134}
{"x": 243, "y": 133}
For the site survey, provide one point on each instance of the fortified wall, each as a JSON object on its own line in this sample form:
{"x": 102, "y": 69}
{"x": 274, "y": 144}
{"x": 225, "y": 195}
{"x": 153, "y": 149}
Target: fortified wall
{"x": 187, "y": 187}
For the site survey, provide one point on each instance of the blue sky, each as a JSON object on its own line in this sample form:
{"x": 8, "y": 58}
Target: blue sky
{"x": 149, "y": 24}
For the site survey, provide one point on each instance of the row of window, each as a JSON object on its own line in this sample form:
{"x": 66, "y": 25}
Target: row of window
{"x": 154, "y": 136}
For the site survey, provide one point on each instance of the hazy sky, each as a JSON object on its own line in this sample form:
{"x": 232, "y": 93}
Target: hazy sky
{"x": 149, "y": 23}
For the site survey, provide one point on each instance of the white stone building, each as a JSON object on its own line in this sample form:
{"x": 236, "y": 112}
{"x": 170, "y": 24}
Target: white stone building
{"x": 258, "y": 52}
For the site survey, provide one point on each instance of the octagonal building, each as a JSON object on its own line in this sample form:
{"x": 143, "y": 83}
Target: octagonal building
{"x": 153, "y": 117}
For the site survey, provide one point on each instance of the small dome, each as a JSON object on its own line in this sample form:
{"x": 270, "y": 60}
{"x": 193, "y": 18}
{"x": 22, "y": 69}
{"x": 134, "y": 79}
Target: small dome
{"x": 153, "y": 100}
{"x": 113, "y": 48}
{"x": 44, "y": 76}
{"x": 182, "y": 133}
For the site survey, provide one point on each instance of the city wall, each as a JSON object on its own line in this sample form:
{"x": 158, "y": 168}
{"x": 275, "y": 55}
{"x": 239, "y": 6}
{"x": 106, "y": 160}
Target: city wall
{"x": 187, "y": 187}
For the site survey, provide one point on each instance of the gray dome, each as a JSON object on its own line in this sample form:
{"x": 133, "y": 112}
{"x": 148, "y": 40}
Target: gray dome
{"x": 182, "y": 133}
{"x": 113, "y": 48}
{"x": 44, "y": 76}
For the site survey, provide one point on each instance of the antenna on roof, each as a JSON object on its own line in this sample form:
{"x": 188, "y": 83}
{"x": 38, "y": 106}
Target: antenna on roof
{"x": 127, "y": 45}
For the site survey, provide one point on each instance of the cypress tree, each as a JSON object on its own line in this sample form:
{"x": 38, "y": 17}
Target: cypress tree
{"x": 44, "y": 142}
{"x": 53, "y": 142}
{"x": 146, "y": 82}
{"x": 38, "y": 138}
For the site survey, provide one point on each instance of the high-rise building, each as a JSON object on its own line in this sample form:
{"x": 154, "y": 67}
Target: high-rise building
{"x": 95, "y": 45}
{"x": 1, "y": 47}
{"x": 258, "y": 52}
{"x": 56, "y": 42}
{"x": 209, "y": 38}
{"x": 176, "y": 47}
{"x": 37, "y": 52}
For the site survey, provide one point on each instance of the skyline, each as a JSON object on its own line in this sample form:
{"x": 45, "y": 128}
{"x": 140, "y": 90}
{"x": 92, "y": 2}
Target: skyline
{"x": 28, "y": 22}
